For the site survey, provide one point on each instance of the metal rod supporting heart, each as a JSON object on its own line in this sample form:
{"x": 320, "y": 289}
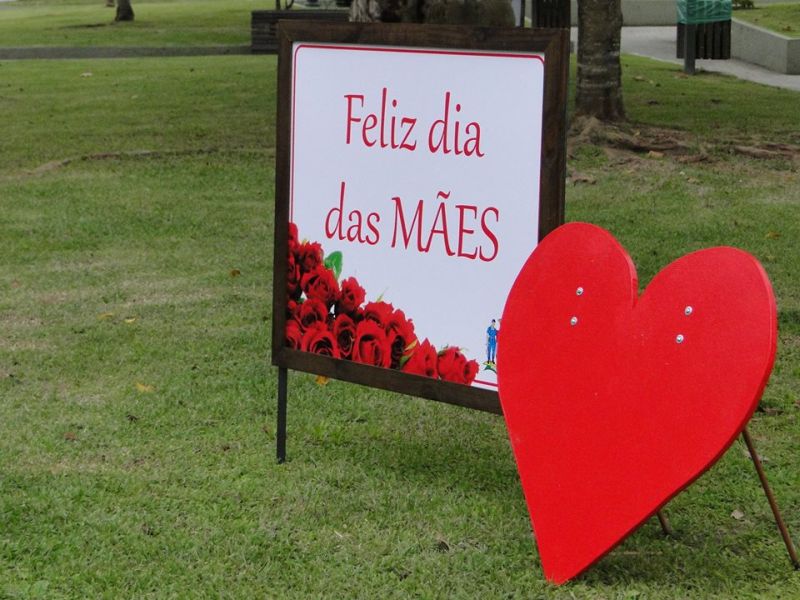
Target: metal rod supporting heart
{"x": 665, "y": 526}
{"x": 771, "y": 499}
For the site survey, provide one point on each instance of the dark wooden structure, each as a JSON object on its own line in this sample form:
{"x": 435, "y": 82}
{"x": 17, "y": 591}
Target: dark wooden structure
{"x": 551, "y": 13}
{"x": 553, "y": 44}
{"x": 712, "y": 40}
{"x": 264, "y": 25}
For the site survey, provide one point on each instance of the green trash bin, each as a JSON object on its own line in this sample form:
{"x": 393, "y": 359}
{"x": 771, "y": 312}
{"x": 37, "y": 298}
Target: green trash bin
{"x": 712, "y": 21}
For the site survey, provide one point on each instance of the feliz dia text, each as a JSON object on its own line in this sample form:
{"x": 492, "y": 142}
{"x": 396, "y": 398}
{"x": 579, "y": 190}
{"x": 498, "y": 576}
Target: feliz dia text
{"x": 441, "y": 224}
{"x": 381, "y": 124}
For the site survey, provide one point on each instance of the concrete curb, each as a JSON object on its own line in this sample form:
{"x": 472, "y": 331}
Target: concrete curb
{"x": 55, "y": 52}
{"x": 763, "y": 47}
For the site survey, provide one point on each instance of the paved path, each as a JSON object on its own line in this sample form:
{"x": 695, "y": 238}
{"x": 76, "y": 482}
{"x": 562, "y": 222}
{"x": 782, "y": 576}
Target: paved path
{"x": 116, "y": 51}
{"x": 659, "y": 43}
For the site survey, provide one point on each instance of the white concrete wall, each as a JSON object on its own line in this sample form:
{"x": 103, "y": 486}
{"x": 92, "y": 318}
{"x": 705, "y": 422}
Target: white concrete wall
{"x": 765, "y": 48}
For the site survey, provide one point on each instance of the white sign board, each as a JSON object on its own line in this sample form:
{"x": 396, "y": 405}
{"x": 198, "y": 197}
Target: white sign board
{"x": 421, "y": 167}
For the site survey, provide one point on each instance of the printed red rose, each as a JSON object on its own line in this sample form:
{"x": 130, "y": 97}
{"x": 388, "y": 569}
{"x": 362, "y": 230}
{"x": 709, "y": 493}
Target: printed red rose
{"x": 309, "y": 256}
{"x": 454, "y": 366}
{"x": 350, "y": 297}
{"x": 321, "y": 285}
{"x": 309, "y": 312}
{"x": 293, "y": 334}
{"x": 319, "y": 340}
{"x": 400, "y": 332}
{"x": 379, "y": 312}
{"x": 294, "y": 240}
{"x": 293, "y": 278}
{"x": 423, "y": 360}
{"x": 371, "y": 346}
{"x": 344, "y": 331}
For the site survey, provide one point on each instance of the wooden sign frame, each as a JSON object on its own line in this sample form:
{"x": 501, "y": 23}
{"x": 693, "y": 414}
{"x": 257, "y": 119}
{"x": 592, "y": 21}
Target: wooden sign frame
{"x": 552, "y": 45}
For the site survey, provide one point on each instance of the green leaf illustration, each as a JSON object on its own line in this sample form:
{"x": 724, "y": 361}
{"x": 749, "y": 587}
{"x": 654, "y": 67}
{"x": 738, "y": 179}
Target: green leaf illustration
{"x": 334, "y": 262}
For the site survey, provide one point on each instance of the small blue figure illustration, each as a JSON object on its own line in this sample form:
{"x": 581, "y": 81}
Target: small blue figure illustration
{"x": 491, "y": 343}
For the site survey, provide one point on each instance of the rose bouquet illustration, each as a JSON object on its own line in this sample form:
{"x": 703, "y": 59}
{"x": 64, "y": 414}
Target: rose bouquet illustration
{"x": 329, "y": 316}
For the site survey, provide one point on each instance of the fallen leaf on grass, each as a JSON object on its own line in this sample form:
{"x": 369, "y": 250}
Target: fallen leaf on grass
{"x": 87, "y": 74}
{"x": 144, "y": 388}
{"x": 105, "y": 316}
{"x": 773, "y": 235}
{"x": 737, "y": 514}
{"x": 577, "y": 178}
{"x": 655, "y": 154}
{"x": 235, "y": 272}
{"x": 70, "y": 436}
{"x": 130, "y": 320}
{"x": 321, "y": 380}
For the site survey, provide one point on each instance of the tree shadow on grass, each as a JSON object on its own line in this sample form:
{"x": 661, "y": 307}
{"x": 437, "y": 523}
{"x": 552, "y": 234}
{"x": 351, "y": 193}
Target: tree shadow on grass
{"x": 87, "y": 26}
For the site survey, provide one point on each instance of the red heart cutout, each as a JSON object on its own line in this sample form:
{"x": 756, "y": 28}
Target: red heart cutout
{"x": 614, "y": 403}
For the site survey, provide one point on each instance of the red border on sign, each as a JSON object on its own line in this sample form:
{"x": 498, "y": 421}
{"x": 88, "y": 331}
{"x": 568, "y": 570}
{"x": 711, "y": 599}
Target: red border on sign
{"x": 388, "y": 49}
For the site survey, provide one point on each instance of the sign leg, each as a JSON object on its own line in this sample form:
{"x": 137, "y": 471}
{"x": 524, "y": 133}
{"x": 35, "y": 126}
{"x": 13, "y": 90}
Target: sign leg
{"x": 283, "y": 377}
{"x": 689, "y": 46}
{"x": 771, "y": 499}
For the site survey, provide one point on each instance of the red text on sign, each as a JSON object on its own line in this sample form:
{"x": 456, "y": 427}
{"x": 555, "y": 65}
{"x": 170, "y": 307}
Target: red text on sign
{"x": 412, "y": 230}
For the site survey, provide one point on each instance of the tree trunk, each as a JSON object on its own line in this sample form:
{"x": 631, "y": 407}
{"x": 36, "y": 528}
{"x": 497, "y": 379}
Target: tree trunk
{"x": 599, "y": 88}
{"x": 365, "y": 11}
{"x": 124, "y": 11}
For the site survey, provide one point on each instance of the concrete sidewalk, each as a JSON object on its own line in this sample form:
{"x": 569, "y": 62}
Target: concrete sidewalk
{"x": 659, "y": 43}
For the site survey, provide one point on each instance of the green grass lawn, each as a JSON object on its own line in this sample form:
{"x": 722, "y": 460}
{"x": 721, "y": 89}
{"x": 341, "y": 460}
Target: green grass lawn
{"x": 138, "y": 405}
{"x": 781, "y": 18}
{"x": 157, "y": 23}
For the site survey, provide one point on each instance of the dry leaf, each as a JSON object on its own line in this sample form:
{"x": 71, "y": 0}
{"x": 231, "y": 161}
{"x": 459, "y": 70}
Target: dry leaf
{"x": 442, "y": 545}
{"x": 130, "y": 320}
{"x": 577, "y": 178}
{"x": 773, "y": 235}
{"x": 70, "y": 436}
{"x": 105, "y": 316}
{"x": 235, "y": 272}
{"x": 144, "y": 388}
{"x": 321, "y": 380}
{"x": 655, "y": 154}
{"x": 737, "y": 514}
